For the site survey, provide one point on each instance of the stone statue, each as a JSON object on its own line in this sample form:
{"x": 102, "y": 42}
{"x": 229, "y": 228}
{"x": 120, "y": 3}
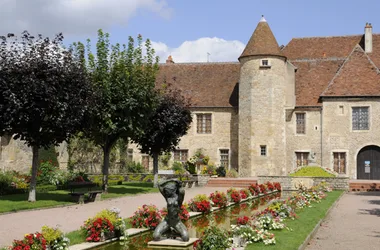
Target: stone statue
{"x": 172, "y": 225}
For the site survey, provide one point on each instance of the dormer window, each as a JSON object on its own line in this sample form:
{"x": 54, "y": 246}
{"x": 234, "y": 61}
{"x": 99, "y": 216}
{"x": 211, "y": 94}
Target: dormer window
{"x": 264, "y": 63}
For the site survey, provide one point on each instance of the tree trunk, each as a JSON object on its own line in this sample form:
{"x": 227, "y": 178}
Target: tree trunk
{"x": 155, "y": 169}
{"x": 33, "y": 181}
{"x": 106, "y": 165}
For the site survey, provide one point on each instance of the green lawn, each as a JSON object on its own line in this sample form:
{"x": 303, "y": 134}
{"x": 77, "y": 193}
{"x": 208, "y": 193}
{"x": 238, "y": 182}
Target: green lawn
{"x": 17, "y": 202}
{"x": 301, "y": 227}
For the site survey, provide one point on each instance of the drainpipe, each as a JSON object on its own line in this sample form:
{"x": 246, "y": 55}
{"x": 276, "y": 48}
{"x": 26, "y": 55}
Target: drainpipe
{"x": 321, "y": 136}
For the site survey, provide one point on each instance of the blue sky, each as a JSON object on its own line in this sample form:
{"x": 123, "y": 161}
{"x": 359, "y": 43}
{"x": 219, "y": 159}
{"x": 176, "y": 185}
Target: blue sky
{"x": 188, "y": 29}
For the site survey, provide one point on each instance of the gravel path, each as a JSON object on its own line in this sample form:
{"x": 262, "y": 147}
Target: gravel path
{"x": 354, "y": 223}
{"x": 70, "y": 218}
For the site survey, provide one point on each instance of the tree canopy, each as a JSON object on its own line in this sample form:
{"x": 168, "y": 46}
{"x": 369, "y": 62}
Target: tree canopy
{"x": 44, "y": 93}
{"x": 123, "y": 78}
{"x": 168, "y": 123}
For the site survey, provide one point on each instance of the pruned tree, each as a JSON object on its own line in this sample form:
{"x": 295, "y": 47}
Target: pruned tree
{"x": 44, "y": 93}
{"x": 168, "y": 123}
{"x": 123, "y": 78}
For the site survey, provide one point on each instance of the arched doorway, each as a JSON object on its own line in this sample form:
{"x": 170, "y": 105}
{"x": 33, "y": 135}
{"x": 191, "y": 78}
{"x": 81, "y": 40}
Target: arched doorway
{"x": 368, "y": 163}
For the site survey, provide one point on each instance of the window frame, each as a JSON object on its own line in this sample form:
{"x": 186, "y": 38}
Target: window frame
{"x": 298, "y": 132}
{"x": 358, "y": 129}
{"x": 202, "y": 128}
{"x": 181, "y": 151}
{"x": 339, "y": 153}
{"x": 266, "y": 64}
{"x": 307, "y": 153}
{"x": 221, "y": 160}
{"x": 263, "y": 150}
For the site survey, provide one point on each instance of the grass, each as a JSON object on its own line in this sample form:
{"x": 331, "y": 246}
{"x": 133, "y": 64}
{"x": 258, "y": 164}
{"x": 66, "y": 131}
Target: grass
{"x": 17, "y": 202}
{"x": 312, "y": 172}
{"x": 301, "y": 227}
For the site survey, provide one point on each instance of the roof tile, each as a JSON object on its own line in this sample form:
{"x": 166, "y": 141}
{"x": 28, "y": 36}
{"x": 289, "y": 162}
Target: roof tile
{"x": 358, "y": 76}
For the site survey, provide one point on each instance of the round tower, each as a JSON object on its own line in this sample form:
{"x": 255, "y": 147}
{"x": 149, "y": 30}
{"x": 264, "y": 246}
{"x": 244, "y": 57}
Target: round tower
{"x": 262, "y": 98}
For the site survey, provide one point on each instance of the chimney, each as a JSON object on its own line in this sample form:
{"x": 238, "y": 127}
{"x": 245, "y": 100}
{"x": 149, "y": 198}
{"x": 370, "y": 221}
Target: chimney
{"x": 170, "y": 59}
{"x": 368, "y": 38}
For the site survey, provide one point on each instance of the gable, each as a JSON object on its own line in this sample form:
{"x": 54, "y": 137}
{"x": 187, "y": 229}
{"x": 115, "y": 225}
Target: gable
{"x": 358, "y": 76}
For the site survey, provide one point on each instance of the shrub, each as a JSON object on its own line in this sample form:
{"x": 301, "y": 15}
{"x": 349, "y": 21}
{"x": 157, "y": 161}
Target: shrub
{"x": 6, "y": 182}
{"x": 254, "y": 189}
{"x": 30, "y": 241}
{"x": 146, "y": 216}
{"x": 213, "y": 238}
{"x": 277, "y": 186}
{"x": 245, "y": 193}
{"x": 135, "y": 167}
{"x": 221, "y": 171}
{"x": 55, "y": 238}
{"x": 312, "y": 172}
{"x": 200, "y": 203}
{"x": 209, "y": 169}
{"x": 232, "y": 173}
{"x": 233, "y": 195}
{"x": 219, "y": 199}
{"x": 104, "y": 222}
{"x": 46, "y": 171}
{"x": 178, "y": 168}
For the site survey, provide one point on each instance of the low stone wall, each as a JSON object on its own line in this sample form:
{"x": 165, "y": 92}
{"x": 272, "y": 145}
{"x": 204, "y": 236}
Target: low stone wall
{"x": 291, "y": 182}
{"x": 147, "y": 177}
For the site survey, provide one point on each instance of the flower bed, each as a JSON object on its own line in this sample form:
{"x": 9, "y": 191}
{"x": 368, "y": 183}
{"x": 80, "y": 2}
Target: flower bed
{"x": 147, "y": 216}
{"x": 200, "y": 203}
{"x": 233, "y": 195}
{"x": 104, "y": 225}
{"x": 219, "y": 199}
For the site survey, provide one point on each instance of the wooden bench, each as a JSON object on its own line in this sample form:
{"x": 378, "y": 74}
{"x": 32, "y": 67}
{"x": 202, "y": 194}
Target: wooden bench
{"x": 192, "y": 181}
{"x": 94, "y": 195}
{"x": 78, "y": 197}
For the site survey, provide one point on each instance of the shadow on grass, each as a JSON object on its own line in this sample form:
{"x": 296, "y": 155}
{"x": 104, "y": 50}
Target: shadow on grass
{"x": 63, "y": 197}
{"x": 125, "y": 190}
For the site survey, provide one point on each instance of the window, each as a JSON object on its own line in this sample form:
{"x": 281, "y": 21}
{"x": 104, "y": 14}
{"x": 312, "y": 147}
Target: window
{"x": 300, "y": 121}
{"x": 224, "y": 158}
{"x": 204, "y": 123}
{"x": 130, "y": 154}
{"x": 360, "y": 118}
{"x": 265, "y": 63}
{"x": 181, "y": 155}
{"x": 263, "y": 150}
{"x": 340, "y": 163}
{"x": 302, "y": 158}
{"x": 145, "y": 161}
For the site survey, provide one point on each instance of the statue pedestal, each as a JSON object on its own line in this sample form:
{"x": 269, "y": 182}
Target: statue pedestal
{"x": 173, "y": 244}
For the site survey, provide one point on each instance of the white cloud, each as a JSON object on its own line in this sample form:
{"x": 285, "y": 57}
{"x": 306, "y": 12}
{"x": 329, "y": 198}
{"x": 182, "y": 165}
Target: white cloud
{"x": 78, "y": 17}
{"x": 196, "y": 51}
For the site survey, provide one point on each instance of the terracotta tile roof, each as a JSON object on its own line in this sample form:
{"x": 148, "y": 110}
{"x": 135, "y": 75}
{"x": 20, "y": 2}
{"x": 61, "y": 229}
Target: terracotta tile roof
{"x": 375, "y": 55}
{"x": 206, "y": 84}
{"x": 312, "y": 78}
{"x": 262, "y": 42}
{"x": 358, "y": 76}
{"x": 321, "y": 47}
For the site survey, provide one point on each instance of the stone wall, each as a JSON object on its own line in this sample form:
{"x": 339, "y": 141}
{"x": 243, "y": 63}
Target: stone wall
{"x": 309, "y": 142}
{"x": 265, "y": 93}
{"x": 223, "y": 135}
{"x": 290, "y": 182}
{"x": 16, "y": 155}
{"x": 338, "y": 135}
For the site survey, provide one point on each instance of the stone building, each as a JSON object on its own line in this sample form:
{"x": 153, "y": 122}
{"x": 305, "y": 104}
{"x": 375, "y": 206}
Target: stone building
{"x": 314, "y": 101}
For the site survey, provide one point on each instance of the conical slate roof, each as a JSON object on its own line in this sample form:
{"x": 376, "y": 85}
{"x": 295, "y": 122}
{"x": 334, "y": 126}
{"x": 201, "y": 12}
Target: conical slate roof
{"x": 262, "y": 42}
